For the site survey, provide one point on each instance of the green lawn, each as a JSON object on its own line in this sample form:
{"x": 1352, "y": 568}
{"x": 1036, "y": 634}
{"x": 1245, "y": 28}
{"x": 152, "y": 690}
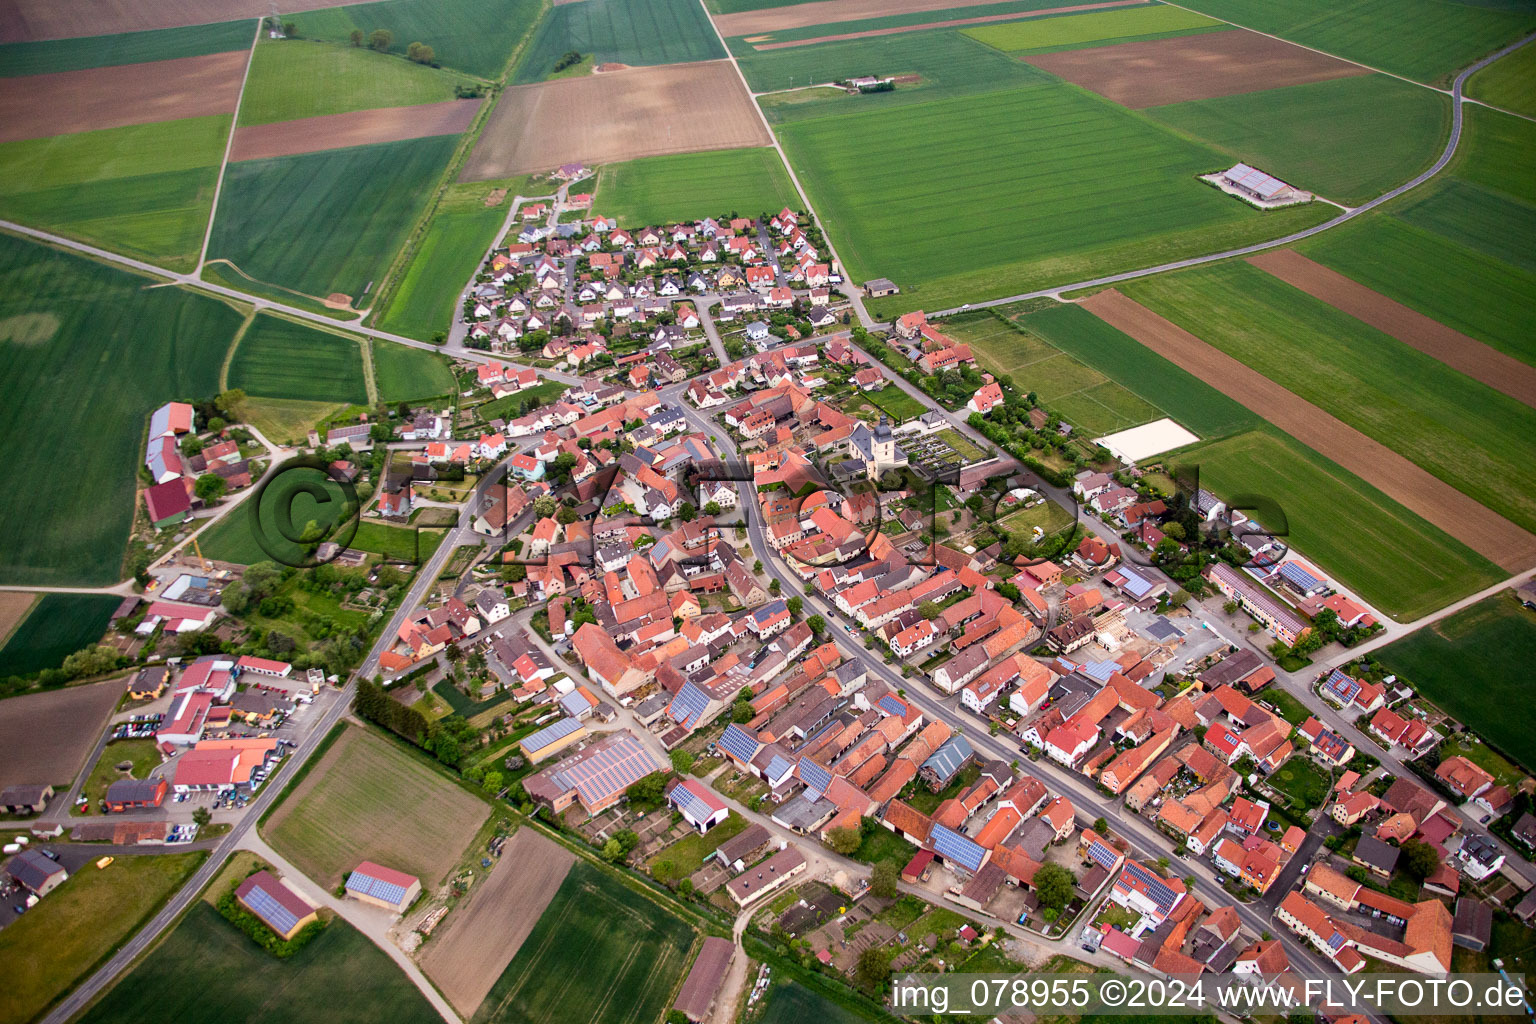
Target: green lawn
{"x": 80, "y": 923}
{"x": 326, "y": 222}
{"x": 90, "y": 348}
{"x": 402, "y": 372}
{"x": 295, "y": 78}
{"x": 282, "y": 358}
{"x": 142, "y": 190}
{"x": 666, "y": 189}
{"x": 144, "y": 754}
{"x": 600, "y": 951}
{"x": 882, "y": 844}
{"x": 285, "y": 421}
{"x": 1095, "y": 28}
{"x": 57, "y": 626}
{"x": 676, "y": 862}
{"x": 1303, "y": 781}
{"x": 1492, "y": 642}
{"x": 1349, "y": 139}
{"x": 54, "y": 55}
{"x": 1291, "y": 709}
{"x": 1504, "y": 772}
{"x": 1509, "y": 82}
{"x": 1464, "y": 432}
{"x": 634, "y": 32}
{"x": 208, "y": 972}
{"x": 475, "y": 36}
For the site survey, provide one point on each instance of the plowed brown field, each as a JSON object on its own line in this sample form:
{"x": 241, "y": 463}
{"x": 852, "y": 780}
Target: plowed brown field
{"x": 24, "y": 20}
{"x": 1149, "y": 74}
{"x": 1481, "y": 529}
{"x": 356, "y": 128}
{"x": 984, "y": 19}
{"x": 829, "y": 12}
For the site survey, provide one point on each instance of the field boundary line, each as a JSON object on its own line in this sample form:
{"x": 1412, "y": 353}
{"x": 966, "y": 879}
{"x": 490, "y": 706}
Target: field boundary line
{"x": 229, "y": 145}
{"x": 370, "y": 376}
{"x": 234, "y": 343}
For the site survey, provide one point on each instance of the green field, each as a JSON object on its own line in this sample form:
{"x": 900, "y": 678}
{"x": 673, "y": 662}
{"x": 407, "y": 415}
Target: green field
{"x": 284, "y": 421}
{"x": 326, "y": 222}
{"x": 143, "y": 190}
{"x": 1349, "y": 139}
{"x": 1098, "y": 27}
{"x": 1477, "y": 439}
{"x": 207, "y": 971}
{"x": 635, "y": 32}
{"x": 295, "y": 78}
{"x": 1493, "y": 642}
{"x": 402, "y": 372}
{"x": 1018, "y": 176}
{"x": 58, "y": 626}
{"x": 789, "y": 1002}
{"x": 666, "y": 189}
{"x": 88, "y": 348}
{"x": 474, "y": 36}
{"x": 1509, "y": 82}
{"x": 888, "y": 22}
{"x": 1426, "y": 40}
{"x": 62, "y": 939}
{"x": 1398, "y": 562}
{"x": 282, "y": 358}
{"x": 735, "y": 6}
{"x": 601, "y": 951}
{"x": 54, "y": 55}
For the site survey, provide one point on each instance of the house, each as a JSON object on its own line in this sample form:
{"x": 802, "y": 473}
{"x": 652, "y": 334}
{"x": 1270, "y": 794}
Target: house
{"x": 595, "y": 776}
{"x": 985, "y": 399}
{"x": 697, "y": 803}
{"x": 1478, "y": 856}
{"x": 383, "y": 887}
{"x": 135, "y": 794}
{"x": 771, "y": 874}
{"x": 275, "y": 905}
{"x": 27, "y": 799}
{"x": 168, "y": 503}
{"x": 1462, "y": 777}
{"x": 35, "y": 873}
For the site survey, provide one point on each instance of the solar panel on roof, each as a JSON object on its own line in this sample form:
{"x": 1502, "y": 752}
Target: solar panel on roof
{"x": 1255, "y": 181}
{"x": 551, "y": 733}
{"x": 265, "y": 906}
{"x": 739, "y": 743}
{"x": 814, "y": 776}
{"x": 1100, "y": 670}
{"x": 1335, "y": 941}
{"x": 1102, "y": 855}
{"x": 688, "y": 706}
{"x": 892, "y": 706}
{"x": 1156, "y": 888}
{"x": 954, "y": 847}
{"x": 367, "y": 885}
{"x": 778, "y": 767}
{"x": 1299, "y": 576}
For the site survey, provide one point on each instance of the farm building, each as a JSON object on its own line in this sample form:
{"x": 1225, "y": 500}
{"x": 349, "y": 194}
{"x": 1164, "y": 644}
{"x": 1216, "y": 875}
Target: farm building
{"x": 25, "y": 799}
{"x": 596, "y": 776}
{"x": 135, "y": 794}
{"x": 702, "y": 985}
{"x": 277, "y": 906}
{"x": 1260, "y": 189}
{"x": 552, "y": 739}
{"x": 36, "y": 873}
{"x": 879, "y": 287}
{"x": 697, "y": 803}
{"x": 772, "y": 873}
{"x": 167, "y": 503}
{"x": 383, "y": 887}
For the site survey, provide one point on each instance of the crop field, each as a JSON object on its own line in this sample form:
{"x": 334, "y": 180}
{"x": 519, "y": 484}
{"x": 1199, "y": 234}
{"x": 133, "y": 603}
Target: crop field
{"x": 664, "y": 189}
{"x": 1349, "y": 139}
{"x": 474, "y": 36}
{"x": 789, "y": 1002}
{"x": 378, "y": 803}
{"x": 1426, "y": 40}
{"x": 54, "y": 55}
{"x": 53, "y": 732}
{"x": 1491, "y": 642}
{"x": 14, "y": 606}
{"x": 61, "y": 939}
{"x": 298, "y": 78}
{"x": 844, "y": 17}
{"x": 600, "y": 951}
{"x": 60, "y": 625}
{"x": 325, "y": 223}
{"x": 1480, "y": 441}
{"x": 88, "y": 346}
{"x": 1394, "y": 559}
{"x": 354, "y": 128}
{"x": 284, "y": 421}
{"x": 1063, "y": 220}
{"x": 1509, "y": 82}
{"x": 1095, "y": 27}
{"x": 282, "y": 358}
{"x": 633, "y": 32}
{"x": 402, "y": 372}
{"x": 208, "y": 972}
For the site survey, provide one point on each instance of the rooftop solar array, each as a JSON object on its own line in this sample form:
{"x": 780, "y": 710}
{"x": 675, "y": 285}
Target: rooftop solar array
{"x": 814, "y": 776}
{"x": 688, "y": 706}
{"x": 615, "y": 767}
{"x": 949, "y": 757}
{"x": 551, "y": 733}
{"x": 1297, "y": 574}
{"x": 957, "y": 849}
{"x": 1155, "y": 887}
{"x": 691, "y": 803}
{"x": 366, "y": 885}
{"x": 1100, "y": 670}
{"x": 740, "y": 743}
{"x": 266, "y": 906}
{"x": 1102, "y": 855}
{"x": 574, "y": 703}
{"x": 1137, "y": 585}
{"x": 1255, "y": 181}
{"x": 778, "y": 768}
{"x": 892, "y": 706}
{"x": 1346, "y": 687}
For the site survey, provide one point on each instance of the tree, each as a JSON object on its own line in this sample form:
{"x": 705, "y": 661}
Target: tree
{"x": 648, "y": 792}
{"x": 873, "y": 968}
{"x": 882, "y": 882}
{"x": 356, "y": 37}
{"x": 202, "y": 816}
{"x": 773, "y": 586}
{"x": 191, "y": 445}
{"x": 687, "y": 513}
{"x": 741, "y": 712}
{"x": 226, "y": 401}
{"x": 1053, "y": 886}
{"x": 544, "y": 506}
{"x": 817, "y": 623}
{"x": 1420, "y": 859}
{"x": 1100, "y": 826}
{"x": 844, "y": 840}
{"x": 492, "y": 782}
{"x": 566, "y": 516}
{"x": 711, "y": 508}
{"x": 380, "y": 39}
{"x": 929, "y": 610}
{"x": 794, "y": 604}
{"x": 210, "y": 488}
{"x": 682, "y": 760}
{"x": 421, "y": 53}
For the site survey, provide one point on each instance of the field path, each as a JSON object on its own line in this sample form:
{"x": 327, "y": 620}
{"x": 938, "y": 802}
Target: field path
{"x": 229, "y": 145}
{"x": 1472, "y": 357}
{"x": 1486, "y": 532}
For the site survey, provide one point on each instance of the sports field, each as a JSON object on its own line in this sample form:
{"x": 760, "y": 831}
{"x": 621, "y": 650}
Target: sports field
{"x": 54, "y": 731}
{"x": 407, "y": 373}
{"x": 59, "y": 625}
{"x": 326, "y": 223}
{"x": 1492, "y": 642}
{"x": 208, "y": 972}
{"x": 142, "y": 190}
{"x": 601, "y": 951}
{"x": 1033, "y": 34}
{"x": 1509, "y": 82}
{"x": 88, "y": 348}
{"x": 296, "y": 78}
{"x": 475, "y": 36}
{"x": 281, "y": 358}
{"x": 377, "y": 803}
{"x": 633, "y": 32}
{"x": 665, "y": 189}
{"x": 54, "y": 55}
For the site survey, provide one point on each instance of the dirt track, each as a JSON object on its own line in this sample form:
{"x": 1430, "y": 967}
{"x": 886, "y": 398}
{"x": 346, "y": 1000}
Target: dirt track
{"x": 600, "y": 119}
{"x": 945, "y": 24}
{"x": 23, "y": 20}
{"x": 1149, "y": 74}
{"x": 1409, "y": 326}
{"x": 357, "y": 128}
{"x": 37, "y": 106}
{"x": 829, "y": 12}
{"x": 483, "y": 934}
{"x": 1486, "y": 532}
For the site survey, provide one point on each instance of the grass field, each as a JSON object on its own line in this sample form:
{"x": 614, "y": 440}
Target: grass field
{"x": 1349, "y": 139}
{"x": 1401, "y": 564}
{"x": 634, "y": 32}
{"x": 1509, "y": 82}
{"x": 789, "y": 1002}
{"x": 88, "y": 347}
{"x": 601, "y": 951}
{"x": 735, "y": 6}
{"x": 1426, "y": 40}
{"x": 475, "y": 36}
{"x": 326, "y": 222}
{"x": 62, "y": 938}
{"x": 143, "y": 190}
{"x": 144, "y": 755}
{"x": 665, "y": 189}
{"x": 1018, "y": 176}
{"x": 1094, "y": 28}
{"x": 1303, "y": 781}
{"x": 282, "y": 358}
{"x": 59, "y": 625}
{"x": 55, "y": 55}
{"x": 284, "y": 421}
{"x": 404, "y": 373}
{"x": 207, "y": 970}
{"x": 295, "y": 78}
{"x": 1492, "y": 642}
{"x": 377, "y": 803}
{"x": 903, "y": 20}
{"x": 1466, "y": 433}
